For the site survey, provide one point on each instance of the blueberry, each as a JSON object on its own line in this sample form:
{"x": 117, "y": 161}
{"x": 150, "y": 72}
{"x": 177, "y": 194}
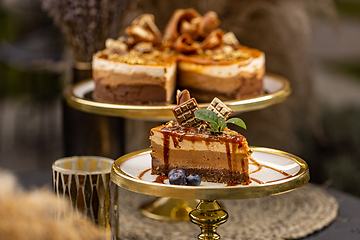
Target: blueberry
{"x": 176, "y": 171}
{"x": 177, "y": 178}
{"x": 193, "y": 180}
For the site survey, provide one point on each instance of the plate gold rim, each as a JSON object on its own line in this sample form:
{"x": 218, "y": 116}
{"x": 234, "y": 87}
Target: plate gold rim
{"x": 209, "y": 192}
{"x": 163, "y": 112}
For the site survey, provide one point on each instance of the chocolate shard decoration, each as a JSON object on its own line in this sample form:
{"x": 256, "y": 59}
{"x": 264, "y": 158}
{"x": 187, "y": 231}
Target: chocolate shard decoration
{"x": 182, "y": 96}
{"x": 184, "y": 113}
{"x": 220, "y": 108}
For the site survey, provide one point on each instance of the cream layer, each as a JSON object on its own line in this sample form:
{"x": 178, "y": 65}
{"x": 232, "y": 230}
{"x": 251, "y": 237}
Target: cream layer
{"x": 248, "y": 66}
{"x": 155, "y": 71}
{"x": 198, "y": 145}
{"x": 201, "y": 159}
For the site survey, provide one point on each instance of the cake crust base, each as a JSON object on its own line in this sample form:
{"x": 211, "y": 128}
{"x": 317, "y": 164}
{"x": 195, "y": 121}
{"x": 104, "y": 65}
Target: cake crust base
{"x": 209, "y": 175}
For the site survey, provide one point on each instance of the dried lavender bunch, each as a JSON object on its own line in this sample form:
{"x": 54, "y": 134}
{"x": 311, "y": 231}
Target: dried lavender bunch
{"x": 86, "y": 24}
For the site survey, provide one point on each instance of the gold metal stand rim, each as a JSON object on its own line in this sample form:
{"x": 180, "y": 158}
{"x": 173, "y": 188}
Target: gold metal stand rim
{"x": 121, "y": 179}
{"x": 208, "y": 214}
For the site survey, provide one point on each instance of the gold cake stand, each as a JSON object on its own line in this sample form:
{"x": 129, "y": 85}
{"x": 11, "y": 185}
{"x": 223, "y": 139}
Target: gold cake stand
{"x": 79, "y": 96}
{"x": 128, "y": 172}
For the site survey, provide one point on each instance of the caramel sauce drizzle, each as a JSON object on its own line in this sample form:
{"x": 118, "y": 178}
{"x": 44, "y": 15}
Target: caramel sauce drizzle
{"x": 166, "y": 148}
{"x": 161, "y": 179}
{"x": 140, "y": 176}
{"x": 260, "y": 166}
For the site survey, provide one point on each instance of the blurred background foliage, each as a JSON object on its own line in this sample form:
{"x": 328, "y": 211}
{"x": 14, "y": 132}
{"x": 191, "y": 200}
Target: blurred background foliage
{"x": 30, "y": 46}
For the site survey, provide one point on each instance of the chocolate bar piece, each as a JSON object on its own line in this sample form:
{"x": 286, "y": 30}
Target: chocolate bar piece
{"x": 220, "y": 108}
{"x": 184, "y": 113}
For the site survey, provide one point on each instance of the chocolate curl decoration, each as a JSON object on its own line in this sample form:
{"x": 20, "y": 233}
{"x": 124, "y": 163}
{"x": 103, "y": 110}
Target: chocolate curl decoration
{"x": 213, "y": 40}
{"x": 172, "y": 28}
{"x": 182, "y": 96}
{"x": 191, "y": 27}
{"x": 209, "y": 22}
{"x": 139, "y": 34}
{"x": 147, "y": 21}
{"x": 187, "y": 31}
{"x": 185, "y": 44}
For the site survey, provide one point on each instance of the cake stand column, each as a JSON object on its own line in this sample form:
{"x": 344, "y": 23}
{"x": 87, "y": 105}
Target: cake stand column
{"x": 208, "y": 215}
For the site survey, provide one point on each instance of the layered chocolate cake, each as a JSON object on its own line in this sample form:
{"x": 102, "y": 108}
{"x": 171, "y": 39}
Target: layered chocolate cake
{"x": 216, "y": 155}
{"x": 192, "y": 53}
{"x": 136, "y": 70}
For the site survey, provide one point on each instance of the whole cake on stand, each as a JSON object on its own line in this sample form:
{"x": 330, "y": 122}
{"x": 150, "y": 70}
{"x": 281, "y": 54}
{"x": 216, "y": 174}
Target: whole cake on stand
{"x": 193, "y": 53}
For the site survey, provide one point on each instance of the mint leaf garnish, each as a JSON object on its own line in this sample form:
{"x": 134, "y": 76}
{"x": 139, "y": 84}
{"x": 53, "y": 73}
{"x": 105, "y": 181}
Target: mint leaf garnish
{"x": 237, "y": 121}
{"x": 217, "y": 123}
{"x": 208, "y": 116}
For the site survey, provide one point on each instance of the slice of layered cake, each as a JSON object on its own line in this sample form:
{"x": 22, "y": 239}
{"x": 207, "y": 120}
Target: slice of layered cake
{"x": 212, "y": 62}
{"x": 228, "y": 72}
{"x": 200, "y": 143}
{"x": 135, "y": 70}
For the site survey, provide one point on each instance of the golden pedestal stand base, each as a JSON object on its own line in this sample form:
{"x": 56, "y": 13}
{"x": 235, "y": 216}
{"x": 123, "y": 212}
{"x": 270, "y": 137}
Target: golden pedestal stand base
{"x": 169, "y": 209}
{"x": 208, "y": 215}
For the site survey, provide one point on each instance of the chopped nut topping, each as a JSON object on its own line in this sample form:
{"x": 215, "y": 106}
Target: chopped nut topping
{"x": 135, "y": 53}
{"x": 218, "y": 57}
{"x": 229, "y": 38}
{"x": 115, "y": 46}
{"x": 170, "y": 124}
{"x": 208, "y": 52}
{"x": 114, "y": 56}
{"x": 240, "y": 54}
{"x": 227, "y": 49}
{"x": 144, "y": 47}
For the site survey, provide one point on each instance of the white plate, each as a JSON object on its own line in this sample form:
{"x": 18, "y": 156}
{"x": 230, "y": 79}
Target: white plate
{"x": 138, "y": 164}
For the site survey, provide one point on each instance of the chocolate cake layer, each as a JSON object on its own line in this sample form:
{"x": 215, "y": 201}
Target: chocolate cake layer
{"x": 204, "y": 87}
{"x": 207, "y": 174}
{"x": 130, "y": 94}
